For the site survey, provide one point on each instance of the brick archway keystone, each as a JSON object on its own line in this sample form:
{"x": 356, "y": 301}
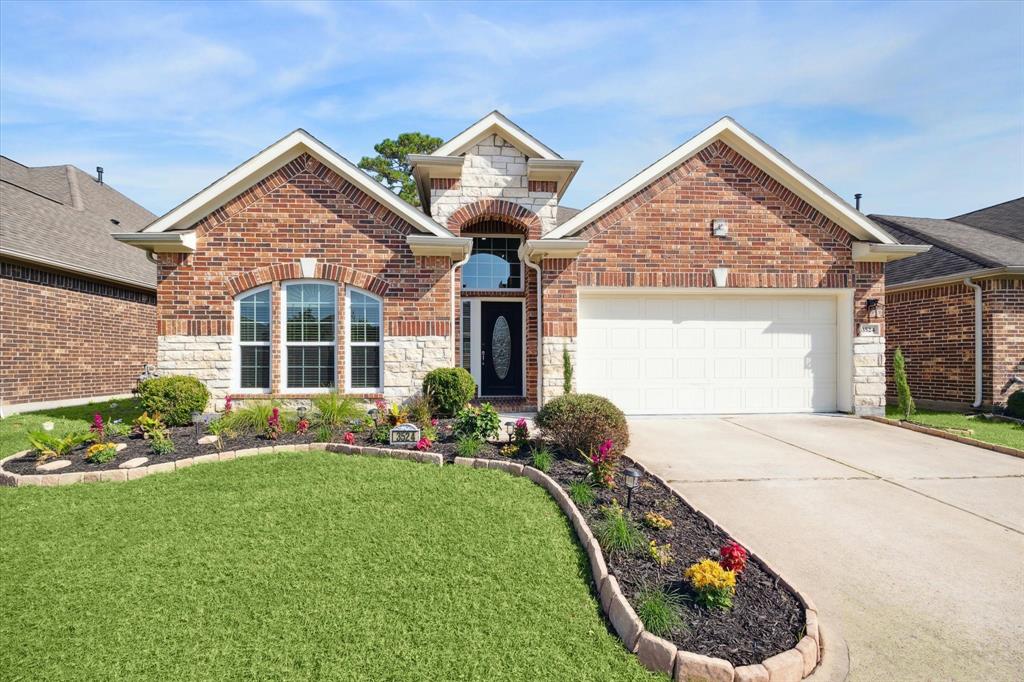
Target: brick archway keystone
{"x": 496, "y": 209}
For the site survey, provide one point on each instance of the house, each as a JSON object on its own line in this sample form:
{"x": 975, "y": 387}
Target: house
{"x": 957, "y": 311}
{"x": 77, "y": 308}
{"x": 722, "y": 278}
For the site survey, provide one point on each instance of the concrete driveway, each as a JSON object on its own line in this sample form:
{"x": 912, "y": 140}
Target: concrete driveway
{"x": 911, "y": 546}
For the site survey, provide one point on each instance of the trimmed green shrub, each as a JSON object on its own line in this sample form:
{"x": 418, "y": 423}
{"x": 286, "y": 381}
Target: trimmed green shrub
{"x": 899, "y": 372}
{"x": 449, "y": 389}
{"x": 582, "y": 421}
{"x": 175, "y": 398}
{"x": 1015, "y": 405}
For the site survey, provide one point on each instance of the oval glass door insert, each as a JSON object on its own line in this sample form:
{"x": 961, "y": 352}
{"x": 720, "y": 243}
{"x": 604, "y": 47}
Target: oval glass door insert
{"x": 501, "y": 347}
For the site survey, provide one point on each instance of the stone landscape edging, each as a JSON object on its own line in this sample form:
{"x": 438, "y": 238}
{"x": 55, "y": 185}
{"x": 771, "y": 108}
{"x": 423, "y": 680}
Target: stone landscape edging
{"x": 931, "y": 431}
{"x": 653, "y": 652}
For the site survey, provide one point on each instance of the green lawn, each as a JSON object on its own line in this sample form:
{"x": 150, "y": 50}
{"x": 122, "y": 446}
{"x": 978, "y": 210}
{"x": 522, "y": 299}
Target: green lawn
{"x": 997, "y": 432}
{"x": 299, "y": 566}
{"x": 79, "y": 417}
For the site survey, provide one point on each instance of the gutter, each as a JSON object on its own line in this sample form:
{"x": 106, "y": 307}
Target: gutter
{"x": 958, "y": 277}
{"x": 524, "y": 255}
{"x": 978, "y": 384}
{"x": 77, "y": 269}
{"x": 451, "y": 323}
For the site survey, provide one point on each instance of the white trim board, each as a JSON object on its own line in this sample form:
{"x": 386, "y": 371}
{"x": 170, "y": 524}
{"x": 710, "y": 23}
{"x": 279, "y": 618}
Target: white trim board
{"x": 496, "y": 122}
{"x": 271, "y": 159}
{"x": 756, "y": 151}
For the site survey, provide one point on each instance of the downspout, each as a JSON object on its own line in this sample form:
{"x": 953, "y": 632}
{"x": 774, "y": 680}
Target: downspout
{"x": 978, "y": 386}
{"x": 540, "y": 324}
{"x": 451, "y": 327}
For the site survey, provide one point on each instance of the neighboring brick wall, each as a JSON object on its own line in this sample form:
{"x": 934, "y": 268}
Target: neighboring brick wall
{"x": 305, "y": 210}
{"x": 64, "y": 337}
{"x": 935, "y": 328}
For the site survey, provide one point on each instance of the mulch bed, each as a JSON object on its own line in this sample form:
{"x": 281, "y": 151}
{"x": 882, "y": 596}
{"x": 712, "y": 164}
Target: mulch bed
{"x": 766, "y": 619}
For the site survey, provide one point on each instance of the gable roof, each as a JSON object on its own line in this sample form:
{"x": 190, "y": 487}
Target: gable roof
{"x": 956, "y": 248}
{"x": 272, "y": 158}
{"x": 496, "y": 123}
{"x": 63, "y": 218}
{"x": 757, "y": 152}
{"x": 1006, "y": 218}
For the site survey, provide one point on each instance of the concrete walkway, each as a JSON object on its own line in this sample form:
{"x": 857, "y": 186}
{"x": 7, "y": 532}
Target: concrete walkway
{"x": 911, "y": 546}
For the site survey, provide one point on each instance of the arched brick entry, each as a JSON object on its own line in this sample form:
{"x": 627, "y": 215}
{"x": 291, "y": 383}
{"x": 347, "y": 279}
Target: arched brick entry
{"x": 497, "y": 210}
{"x": 328, "y": 271}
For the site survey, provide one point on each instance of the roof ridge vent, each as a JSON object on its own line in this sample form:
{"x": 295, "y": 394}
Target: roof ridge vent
{"x": 76, "y": 194}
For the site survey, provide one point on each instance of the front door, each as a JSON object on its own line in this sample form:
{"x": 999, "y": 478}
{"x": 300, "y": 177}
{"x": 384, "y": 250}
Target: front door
{"x": 501, "y": 348}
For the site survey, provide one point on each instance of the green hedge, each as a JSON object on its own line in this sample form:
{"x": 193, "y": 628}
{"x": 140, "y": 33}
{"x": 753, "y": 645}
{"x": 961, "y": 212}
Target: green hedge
{"x": 449, "y": 389}
{"x": 582, "y": 421}
{"x": 174, "y": 397}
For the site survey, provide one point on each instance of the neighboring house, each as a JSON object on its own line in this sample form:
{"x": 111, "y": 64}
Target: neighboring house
{"x": 77, "y": 309}
{"x": 722, "y": 278}
{"x": 932, "y": 304}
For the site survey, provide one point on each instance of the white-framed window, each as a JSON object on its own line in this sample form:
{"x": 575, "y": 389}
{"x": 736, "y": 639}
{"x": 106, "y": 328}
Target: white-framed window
{"x": 364, "y": 346}
{"x": 494, "y": 264}
{"x": 309, "y": 335}
{"x": 251, "y": 373}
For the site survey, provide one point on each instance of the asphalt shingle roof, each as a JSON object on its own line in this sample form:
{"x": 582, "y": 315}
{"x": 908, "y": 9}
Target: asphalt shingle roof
{"x": 1006, "y": 218}
{"x": 61, "y": 216}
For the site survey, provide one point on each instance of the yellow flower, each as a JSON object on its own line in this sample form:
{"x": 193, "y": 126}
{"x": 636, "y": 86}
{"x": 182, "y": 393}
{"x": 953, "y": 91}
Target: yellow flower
{"x": 709, "y": 574}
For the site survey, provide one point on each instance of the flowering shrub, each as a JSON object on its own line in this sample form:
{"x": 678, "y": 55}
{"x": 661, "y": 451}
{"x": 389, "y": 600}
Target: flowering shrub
{"x": 714, "y": 586}
{"x": 602, "y": 464}
{"x": 733, "y": 557}
{"x": 656, "y": 521}
{"x": 349, "y": 438}
{"x": 522, "y": 431}
{"x": 227, "y": 405}
{"x": 302, "y": 426}
{"x": 273, "y": 431}
{"x": 660, "y": 554}
{"x": 100, "y": 452}
{"x": 423, "y": 444}
{"x": 97, "y": 427}
{"x": 482, "y": 422}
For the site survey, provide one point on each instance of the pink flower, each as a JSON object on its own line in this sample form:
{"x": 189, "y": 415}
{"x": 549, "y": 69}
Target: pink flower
{"x": 350, "y": 438}
{"x": 97, "y": 424}
{"x": 227, "y": 405}
{"x": 606, "y": 447}
{"x": 521, "y": 423}
{"x": 381, "y": 405}
{"x": 423, "y": 444}
{"x": 434, "y": 422}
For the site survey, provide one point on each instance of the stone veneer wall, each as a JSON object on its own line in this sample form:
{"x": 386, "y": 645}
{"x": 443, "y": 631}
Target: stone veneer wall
{"x": 553, "y": 376}
{"x": 207, "y": 358}
{"x": 494, "y": 169}
{"x": 408, "y": 359}
{"x": 869, "y": 376}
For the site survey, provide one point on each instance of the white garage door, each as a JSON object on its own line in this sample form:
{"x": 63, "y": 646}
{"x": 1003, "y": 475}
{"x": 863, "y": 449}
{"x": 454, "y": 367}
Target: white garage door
{"x": 680, "y": 354}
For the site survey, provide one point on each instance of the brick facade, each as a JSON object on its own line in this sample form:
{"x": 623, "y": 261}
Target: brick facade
{"x": 64, "y": 337}
{"x": 305, "y": 210}
{"x": 934, "y": 326}
{"x": 661, "y": 237}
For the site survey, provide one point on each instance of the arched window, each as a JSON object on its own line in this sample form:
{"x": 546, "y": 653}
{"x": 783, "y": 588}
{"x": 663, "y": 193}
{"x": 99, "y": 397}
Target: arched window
{"x": 310, "y": 322}
{"x": 365, "y": 336}
{"x": 252, "y": 341}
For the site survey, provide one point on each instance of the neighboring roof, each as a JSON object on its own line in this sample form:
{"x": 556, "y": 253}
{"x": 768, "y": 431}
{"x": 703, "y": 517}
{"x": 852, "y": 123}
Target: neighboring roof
{"x": 757, "y": 152}
{"x": 1006, "y": 218}
{"x": 496, "y": 122}
{"x": 274, "y": 157}
{"x": 61, "y": 216}
{"x": 956, "y": 247}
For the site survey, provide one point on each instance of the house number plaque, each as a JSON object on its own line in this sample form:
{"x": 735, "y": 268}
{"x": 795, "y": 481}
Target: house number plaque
{"x": 405, "y": 434}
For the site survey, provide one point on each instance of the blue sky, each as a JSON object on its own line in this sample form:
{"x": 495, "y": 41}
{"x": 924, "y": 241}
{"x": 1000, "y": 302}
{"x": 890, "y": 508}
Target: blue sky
{"x": 920, "y": 106}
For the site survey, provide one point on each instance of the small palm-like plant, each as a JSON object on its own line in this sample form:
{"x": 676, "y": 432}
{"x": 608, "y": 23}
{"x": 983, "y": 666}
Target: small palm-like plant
{"x": 49, "y": 446}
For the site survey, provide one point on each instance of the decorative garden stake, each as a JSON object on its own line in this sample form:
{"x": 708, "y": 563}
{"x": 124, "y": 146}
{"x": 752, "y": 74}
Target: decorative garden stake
{"x": 633, "y": 477}
{"x": 510, "y": 429}
{"x": 197, "y": 419}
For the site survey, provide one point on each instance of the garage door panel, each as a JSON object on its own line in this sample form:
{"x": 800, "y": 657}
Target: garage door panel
{"x": 655, "y": 354}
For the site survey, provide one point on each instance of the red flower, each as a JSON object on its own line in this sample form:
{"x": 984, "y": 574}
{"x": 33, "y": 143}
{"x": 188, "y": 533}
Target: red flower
{"x": 350, "y": 438}
{"x": 424, "y": 444}
{"x": 302, "y": 426}
{"x": 227, "y": 405}
{"x": 733, "y": 557}
{"x": 97, "y": 425}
